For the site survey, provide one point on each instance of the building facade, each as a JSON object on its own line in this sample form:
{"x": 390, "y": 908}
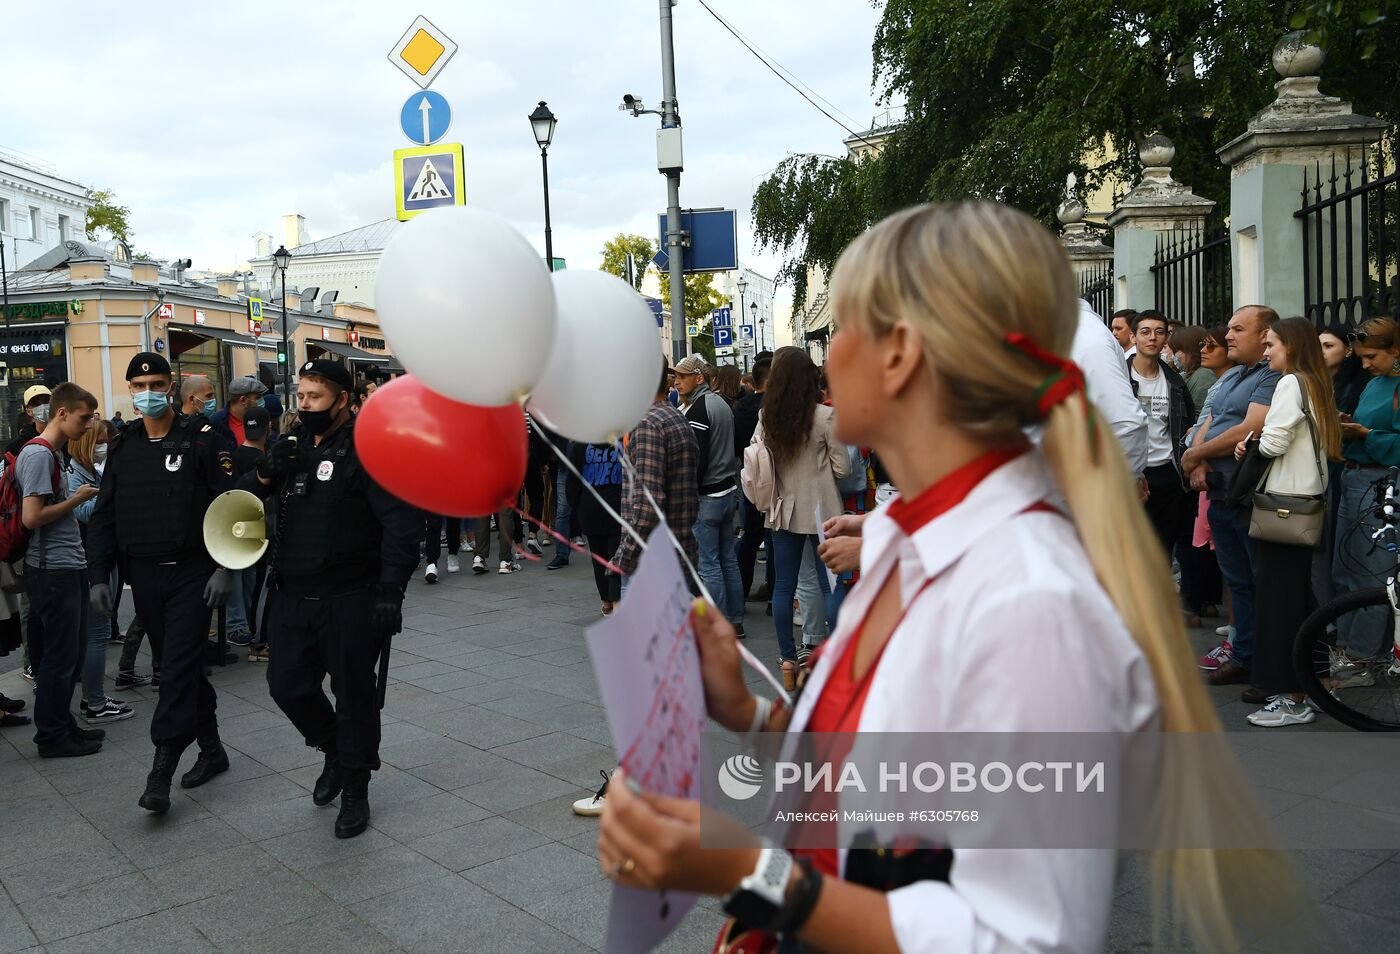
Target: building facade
{"x": 38, "y": 208}
{"x": 345, "y": 263}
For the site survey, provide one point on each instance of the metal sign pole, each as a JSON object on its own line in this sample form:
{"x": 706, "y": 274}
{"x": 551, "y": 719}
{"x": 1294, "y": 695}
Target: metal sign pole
{"x": 670, "y": 117}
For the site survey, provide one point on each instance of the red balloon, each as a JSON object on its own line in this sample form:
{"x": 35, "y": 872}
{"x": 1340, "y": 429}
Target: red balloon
{"x": 454, "y": 459}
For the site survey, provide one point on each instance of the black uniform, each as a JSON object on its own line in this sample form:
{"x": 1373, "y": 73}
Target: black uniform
{"x": 150, "y": 515}
{"x": 341, "y": 542}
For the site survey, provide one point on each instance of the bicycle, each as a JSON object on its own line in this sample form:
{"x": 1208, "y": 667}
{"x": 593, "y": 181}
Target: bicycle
{"x": 1361, "y": 694}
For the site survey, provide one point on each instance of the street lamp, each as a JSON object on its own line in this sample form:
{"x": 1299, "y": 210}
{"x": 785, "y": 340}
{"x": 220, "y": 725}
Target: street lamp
{"x": 282, "y": 258}
{"x": 742, "y": 284}
{"x": 542, "y": 121}
{"x": 757, "y": 320}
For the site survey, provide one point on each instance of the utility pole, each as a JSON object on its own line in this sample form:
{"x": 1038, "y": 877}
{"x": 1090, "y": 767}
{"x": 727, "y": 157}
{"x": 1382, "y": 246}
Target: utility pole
{"x": 675, "y": 236}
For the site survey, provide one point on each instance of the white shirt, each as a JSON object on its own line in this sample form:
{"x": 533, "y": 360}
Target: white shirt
{"x": 1286, "y": 436}
{"x": 1155, "y": 397}
{"x": 1101, "y": 359}
{"x": 1014, "y": 635}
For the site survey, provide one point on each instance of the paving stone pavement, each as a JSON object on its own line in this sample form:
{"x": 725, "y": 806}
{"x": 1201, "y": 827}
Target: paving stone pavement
{"x": 491, "y": 730}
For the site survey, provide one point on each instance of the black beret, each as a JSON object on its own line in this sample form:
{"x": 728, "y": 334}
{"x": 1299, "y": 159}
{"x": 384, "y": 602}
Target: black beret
{"x": 147, "y": 362}
{"x": 333, "y": 372}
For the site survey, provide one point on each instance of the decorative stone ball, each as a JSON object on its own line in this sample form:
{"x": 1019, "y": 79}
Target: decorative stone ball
{"x": 1294, "y": 56}
{"x": 1157, "y": 151}
{"x": 1070, "y": 212}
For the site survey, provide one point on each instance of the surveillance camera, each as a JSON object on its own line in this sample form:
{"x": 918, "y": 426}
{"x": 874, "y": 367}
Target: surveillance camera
{"x": 632, "y": 104}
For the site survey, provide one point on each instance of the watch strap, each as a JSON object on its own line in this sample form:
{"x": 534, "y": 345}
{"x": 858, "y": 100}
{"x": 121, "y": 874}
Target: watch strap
{"x": 801, "y": 900}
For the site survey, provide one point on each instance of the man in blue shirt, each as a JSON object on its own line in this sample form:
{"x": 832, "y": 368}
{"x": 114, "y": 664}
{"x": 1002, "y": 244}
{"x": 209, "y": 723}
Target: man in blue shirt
{"x": 1238, "y": 410}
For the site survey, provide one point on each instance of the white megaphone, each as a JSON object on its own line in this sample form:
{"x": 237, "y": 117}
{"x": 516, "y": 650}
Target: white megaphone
{"x": 235, "y": 529}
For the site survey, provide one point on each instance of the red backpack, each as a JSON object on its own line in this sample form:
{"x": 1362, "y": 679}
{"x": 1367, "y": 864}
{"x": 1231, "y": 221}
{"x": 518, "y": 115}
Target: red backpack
{"x": 14, "y": 535}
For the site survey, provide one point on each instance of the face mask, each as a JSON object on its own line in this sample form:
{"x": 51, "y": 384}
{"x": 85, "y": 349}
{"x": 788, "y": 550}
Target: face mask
{"x": 210, "y": 406}
{"x": 41, "y": 413}
{"x": 151, "y": 403}
{"x": 99, "y": 454}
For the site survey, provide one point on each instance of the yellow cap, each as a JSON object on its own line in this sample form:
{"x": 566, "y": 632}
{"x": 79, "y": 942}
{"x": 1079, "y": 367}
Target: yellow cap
{"x": 37, "y": 390}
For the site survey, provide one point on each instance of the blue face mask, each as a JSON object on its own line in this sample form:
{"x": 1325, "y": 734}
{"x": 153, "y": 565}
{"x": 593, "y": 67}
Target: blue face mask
{"x": 210, "y": 406}
{"x": 151, "y": 403}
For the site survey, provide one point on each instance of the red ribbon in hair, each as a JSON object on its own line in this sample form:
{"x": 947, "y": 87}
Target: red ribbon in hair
{"x": 1065, "y": 379}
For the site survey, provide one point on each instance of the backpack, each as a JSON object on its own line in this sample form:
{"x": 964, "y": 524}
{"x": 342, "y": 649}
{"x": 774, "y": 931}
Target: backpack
{"x": 858, "y": 480}
{"x": 14, "y": 535}
{"x": 759, "y": 476}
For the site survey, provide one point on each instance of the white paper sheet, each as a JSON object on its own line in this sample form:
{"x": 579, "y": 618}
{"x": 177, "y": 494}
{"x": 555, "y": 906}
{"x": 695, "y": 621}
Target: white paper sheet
{"x": 649, "y": 676}
{"x": 821, "y": 538}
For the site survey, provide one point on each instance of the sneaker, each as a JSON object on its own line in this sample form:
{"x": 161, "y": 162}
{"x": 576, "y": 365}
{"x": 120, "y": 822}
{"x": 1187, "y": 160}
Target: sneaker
{"x": 592, "y": 806}
{"x": 1217, "y": 657}
{"x": 560, "y": 561}
{"x": 155, "y": 679}
{"x": 1227, "y": 632}
{"x": 453, "y": 564}
{"x": 242, "y": 636}
{"x": 110, "y": 711}
{"x": 478, "y": 565}
{"x": 257, "y": 653}
{"x": 533, "y": 546}
{"x": 129, "y": 680}
{"x": 545, "y": 540}
{"x": 27, "y": 673}
{"x": 508, "y": 567}
{"x": 1283, "y": 711}
{"x": 1350, "y": 673}
{"x": 430, "y": 574}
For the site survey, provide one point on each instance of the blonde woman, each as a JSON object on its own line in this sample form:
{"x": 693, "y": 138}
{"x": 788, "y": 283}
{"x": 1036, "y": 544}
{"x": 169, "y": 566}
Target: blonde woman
{"x": 980, "y": 608}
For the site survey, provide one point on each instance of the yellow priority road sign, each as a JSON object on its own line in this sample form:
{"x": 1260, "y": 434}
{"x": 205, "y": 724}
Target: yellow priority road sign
{"x": 422, "y": 52}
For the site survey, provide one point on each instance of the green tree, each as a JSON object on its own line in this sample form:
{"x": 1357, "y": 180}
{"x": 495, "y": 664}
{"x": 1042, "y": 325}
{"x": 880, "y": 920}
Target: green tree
{"x": 1004, "y": 98}
{"x": 105, "y": 213}
{"x": 616, "y": 249}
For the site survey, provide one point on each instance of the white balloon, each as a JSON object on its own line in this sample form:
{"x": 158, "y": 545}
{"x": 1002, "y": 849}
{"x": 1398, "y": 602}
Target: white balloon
{"x": 606, "y": 363}
{"x": 467, "y": 304}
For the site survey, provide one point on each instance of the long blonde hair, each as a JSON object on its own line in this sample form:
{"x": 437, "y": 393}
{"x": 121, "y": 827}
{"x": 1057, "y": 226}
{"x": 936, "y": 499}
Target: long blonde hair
{"x": 965, "y": 275}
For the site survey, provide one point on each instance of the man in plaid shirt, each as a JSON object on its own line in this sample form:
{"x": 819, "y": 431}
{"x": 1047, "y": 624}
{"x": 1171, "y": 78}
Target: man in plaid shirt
{"x": 664, "y": 450}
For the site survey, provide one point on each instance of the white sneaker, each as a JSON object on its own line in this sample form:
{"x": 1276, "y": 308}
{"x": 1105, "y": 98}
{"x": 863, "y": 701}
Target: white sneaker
{"x": 430, "y": 574}
{"x": 478, "y": 565}
{"x": 453, "y": 564}
{"x": 592, "y": 806}
{"x": 1282, "y": 711}
{"x": 1349, "y": 673}
{"x": 1226, "y": 631}
{"x": 545, "y": 540}
{"x": 533, "y": 545}
{"x": 508, "y": 567}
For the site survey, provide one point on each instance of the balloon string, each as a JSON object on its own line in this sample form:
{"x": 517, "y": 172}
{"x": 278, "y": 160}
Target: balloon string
{"x": 559, "y": 537}
{"x": 744, "y": 653}
{"x": 569, "y": 465}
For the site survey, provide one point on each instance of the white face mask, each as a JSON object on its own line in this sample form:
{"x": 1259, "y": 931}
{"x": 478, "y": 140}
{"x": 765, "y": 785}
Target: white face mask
{"x": 99, "y": 454}
{"x": 41, "y": 413}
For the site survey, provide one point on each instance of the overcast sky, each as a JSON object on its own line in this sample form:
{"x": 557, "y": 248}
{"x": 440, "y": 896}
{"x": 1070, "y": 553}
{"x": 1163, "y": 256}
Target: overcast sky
{"x": 211, "y": 121}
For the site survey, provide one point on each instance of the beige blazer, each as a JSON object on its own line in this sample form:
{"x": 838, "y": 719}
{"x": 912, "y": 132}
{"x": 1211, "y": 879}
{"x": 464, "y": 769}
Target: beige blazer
{"x": 810, "y": 479}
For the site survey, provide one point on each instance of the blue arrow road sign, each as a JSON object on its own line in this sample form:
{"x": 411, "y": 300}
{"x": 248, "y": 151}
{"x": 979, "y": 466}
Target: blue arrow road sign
{"x": 721, "y": 317}
{"x": 425, "y": 117}
{"x": 724, "y": 336}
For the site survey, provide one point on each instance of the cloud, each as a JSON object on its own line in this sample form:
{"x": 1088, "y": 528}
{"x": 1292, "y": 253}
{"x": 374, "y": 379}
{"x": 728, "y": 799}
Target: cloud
{"x": 211, "y": 122}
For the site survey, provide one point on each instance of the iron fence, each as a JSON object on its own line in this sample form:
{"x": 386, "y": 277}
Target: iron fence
{"x": 1096, "y": 287}
{"x": 1351, "y": 239}
{"x": 1191, "y": 276}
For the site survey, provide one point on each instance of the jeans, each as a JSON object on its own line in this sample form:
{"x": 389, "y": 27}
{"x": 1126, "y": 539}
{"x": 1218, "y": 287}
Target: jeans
{"x": 1357, "y": 566}
{"x": 432, "y": 544}
{"x": 719, "y": 559}
{"x": 787, "y": 564}
{"x": 57, "y": 624}
{"x": 810, "y": 599}
{"x": 1229, "y": 527}
{"x": 99, "y": 634}
{"x": 563, "y": 515}
{"x": 748, "y": 546}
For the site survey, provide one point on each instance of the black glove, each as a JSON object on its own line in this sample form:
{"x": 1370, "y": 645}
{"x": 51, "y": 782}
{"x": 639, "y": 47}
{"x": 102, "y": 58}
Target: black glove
{"x": 388, "y": 609}
{"x": 100, "y": 598}
{"x": 217, "y": 590}
{"x": 279, "y": 460}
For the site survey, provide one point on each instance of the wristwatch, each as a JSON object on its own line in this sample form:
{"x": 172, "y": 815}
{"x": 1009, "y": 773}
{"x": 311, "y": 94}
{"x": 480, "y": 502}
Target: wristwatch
{"x": 758, "y": 901}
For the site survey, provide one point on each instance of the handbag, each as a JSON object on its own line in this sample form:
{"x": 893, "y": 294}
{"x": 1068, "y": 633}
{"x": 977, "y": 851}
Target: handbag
{"x": 1291, "y": 519}
{"x": 1250, "y": 474}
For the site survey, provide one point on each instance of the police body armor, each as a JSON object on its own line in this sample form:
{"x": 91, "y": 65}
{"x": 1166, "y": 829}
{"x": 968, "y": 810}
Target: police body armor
{"x": 153, "y": 502}
{"x": 324, "y": 513}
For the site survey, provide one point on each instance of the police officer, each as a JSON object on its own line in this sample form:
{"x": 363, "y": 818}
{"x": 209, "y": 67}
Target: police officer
{"x": 162, "y": 472}
{"x": 343, "y": 551}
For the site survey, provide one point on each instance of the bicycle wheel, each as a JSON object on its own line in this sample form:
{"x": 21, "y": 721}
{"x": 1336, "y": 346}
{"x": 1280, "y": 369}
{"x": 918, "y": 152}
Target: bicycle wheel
{"x": 1371, "y": 701}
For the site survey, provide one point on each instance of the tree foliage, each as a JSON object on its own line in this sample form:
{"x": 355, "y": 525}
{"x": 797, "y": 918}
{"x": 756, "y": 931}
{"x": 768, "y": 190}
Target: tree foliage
{"x": 1004, "y": 98}
{"x": 106, "y": 214}
{"x": 700, "y": 294}
{"x": 616, "y": 250}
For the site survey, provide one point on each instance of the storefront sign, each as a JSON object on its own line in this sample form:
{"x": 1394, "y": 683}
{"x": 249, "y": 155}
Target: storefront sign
{"x": 45, "y": 309}
{"x": 198, "y": 317}
{"x": 325, "y": 334}
{"x": 165, "y": 312}
{"x": 370, "y": 344}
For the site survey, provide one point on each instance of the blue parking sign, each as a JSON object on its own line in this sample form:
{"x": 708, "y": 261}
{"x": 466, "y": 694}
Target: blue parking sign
{"x": 724, "y": 336}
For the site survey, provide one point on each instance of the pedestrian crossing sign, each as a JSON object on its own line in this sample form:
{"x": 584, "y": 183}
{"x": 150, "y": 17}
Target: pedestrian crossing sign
{"x": 428, "y": 177}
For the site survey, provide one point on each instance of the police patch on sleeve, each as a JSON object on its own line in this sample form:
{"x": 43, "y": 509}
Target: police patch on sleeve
{"x": 225, "y": 464}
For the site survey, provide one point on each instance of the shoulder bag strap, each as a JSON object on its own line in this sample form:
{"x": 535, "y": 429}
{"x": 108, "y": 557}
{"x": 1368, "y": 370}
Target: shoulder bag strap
{"x": 1312, "y": 429}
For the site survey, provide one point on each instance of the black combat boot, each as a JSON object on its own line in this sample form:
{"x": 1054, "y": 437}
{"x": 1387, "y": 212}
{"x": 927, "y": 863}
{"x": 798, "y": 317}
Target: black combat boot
{"x": 156, "y": 797}
{"x": 212, "y": 761}
{"x": 329, "y": 784}
{"x": 354, "y": 803}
